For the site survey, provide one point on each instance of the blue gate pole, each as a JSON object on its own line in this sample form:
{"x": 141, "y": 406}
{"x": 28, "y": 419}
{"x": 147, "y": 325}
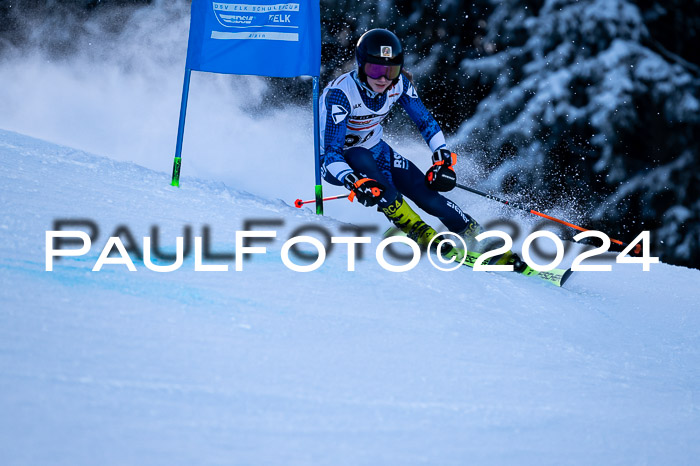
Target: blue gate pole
{"x": 181, "y": 129}
{"x": 317, "y": 149}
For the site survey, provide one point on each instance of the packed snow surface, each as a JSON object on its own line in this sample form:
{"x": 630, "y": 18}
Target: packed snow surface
{"x": 271, "y": 366}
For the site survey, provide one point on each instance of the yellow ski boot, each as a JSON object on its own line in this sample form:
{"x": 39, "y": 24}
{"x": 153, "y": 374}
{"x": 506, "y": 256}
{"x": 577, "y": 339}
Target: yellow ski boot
{"x": 509, "y": 258}
{"x": 406, "y": 220}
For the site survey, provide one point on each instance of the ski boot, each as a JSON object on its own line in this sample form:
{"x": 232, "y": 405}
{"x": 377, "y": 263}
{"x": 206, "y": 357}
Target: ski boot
{"x": 406, "y": 220}
{"x": 469, "y": 235}
{"x": 509, "y": 258}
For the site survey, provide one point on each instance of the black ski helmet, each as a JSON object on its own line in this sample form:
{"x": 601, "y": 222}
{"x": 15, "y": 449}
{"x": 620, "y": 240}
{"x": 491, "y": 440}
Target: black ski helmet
{"x": 378, "y": 46}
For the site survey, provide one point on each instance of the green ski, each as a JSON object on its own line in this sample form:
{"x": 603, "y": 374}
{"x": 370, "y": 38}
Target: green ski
{"x": 556, "y": 277}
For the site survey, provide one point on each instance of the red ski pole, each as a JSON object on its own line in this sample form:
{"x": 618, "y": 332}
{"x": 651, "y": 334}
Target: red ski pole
{"x": 298, "y": 203}
{"x": 637, "y": 248}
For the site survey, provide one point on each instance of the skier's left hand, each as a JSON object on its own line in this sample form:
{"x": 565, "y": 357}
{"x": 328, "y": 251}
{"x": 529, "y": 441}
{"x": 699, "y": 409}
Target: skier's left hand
{"x": 441, "y": 176}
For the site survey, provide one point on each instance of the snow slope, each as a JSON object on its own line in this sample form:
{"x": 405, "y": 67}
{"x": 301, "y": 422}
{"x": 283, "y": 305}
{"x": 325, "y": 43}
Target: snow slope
{"x": 271, "y": 366}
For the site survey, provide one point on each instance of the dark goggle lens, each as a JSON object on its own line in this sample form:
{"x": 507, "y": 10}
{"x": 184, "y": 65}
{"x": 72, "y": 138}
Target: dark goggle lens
{"x": 375, "y": 71}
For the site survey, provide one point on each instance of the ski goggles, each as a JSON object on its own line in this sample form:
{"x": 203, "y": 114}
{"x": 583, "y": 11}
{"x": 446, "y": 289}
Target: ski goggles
{"x": 375, "y": 71}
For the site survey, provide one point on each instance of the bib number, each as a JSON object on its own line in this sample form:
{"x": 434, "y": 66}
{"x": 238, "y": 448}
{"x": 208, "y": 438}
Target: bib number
{"x": 352, "y": 140}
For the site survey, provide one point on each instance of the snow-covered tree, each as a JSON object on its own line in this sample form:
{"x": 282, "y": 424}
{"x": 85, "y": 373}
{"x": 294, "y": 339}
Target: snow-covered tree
{"x": 587, "y": 107}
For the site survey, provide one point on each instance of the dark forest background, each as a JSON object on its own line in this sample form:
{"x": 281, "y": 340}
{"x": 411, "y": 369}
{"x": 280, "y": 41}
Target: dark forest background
{"x": 592, "y": 104}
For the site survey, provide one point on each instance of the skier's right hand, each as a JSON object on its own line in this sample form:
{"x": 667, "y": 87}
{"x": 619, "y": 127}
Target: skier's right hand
{"x": 367, "y": 191}
{"x": 441, "y": 176}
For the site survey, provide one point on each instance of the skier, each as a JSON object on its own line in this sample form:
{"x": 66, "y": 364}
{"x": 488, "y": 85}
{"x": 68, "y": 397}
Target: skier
{"x": 354, "y": 155}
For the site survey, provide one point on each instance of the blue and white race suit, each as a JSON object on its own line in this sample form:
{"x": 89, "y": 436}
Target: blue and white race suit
{"x": 351, "y": 117}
